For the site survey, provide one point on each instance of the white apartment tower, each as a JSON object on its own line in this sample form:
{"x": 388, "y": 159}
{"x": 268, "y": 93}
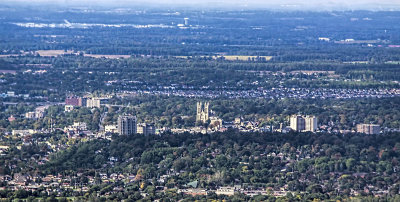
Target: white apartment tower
{"x": 303, "y": 123}
{"x": 311, "y": 123}
{"x": 297, "y": 123}
{"x": 186, "y": 21}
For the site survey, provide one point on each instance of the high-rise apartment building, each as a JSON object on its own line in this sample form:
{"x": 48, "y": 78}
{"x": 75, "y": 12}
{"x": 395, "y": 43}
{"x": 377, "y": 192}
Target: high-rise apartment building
{"x": 297, "y": 123}
{"x": 126, "y": 125}
{"x": 311, "y": 123}
{"x": 303, "y": 123}
{"x": 368, "y": 129}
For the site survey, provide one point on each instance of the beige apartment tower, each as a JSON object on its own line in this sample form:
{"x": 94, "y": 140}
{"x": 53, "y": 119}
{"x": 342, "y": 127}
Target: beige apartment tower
{"x": 297, "y": 123}
{"x": 311, "y": 123}
{"x": 368, "y": 129}
{"x": 303, "y": 123}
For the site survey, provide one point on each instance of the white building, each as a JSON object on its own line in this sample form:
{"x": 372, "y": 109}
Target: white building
{"x": 24, "y": 132}
{"x": 30, "y": 115}
{"x": 311, "y": 123}
{"x": 229, "y": 191}
{"x": 77, "y": 126}
{"x": 297, "y": 123}
{"x": 95, "y": 102}
{"x": 111, "y": 128}
{"x": 186, "y": 21}
{"x": 68, "y": 108}
{"x": 324, "y": 39}
{"x": 304, "y": 123}
{"x": 10, "y": 93}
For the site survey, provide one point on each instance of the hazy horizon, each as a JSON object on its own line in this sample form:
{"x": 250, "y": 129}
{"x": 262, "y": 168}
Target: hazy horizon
{"x": 238, "y": 4}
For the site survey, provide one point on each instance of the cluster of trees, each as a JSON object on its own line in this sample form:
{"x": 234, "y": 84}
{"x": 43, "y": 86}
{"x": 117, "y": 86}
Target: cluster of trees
{"x": 133, "y": 195}
{"x": 321, "y": 166}
{"x": 24, "y": 159}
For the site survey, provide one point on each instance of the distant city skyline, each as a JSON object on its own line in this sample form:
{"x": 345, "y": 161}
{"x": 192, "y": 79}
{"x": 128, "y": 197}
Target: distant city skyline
{"x": 250, "y": 4}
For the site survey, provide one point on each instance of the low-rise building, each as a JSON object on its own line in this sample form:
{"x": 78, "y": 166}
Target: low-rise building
{"x": 145, "y": 129}
{"x": 215, "y": 122}
{"x": 30, "y": 115}
{"x": 96, "y": 102}
{"x": 68, "y": 108}
{"x": 39, "y": 114}
{"x": 193, "y": 192}
{"x": 77, "y": 126}
{"x": 238, "y": 121}
{"x": 229, "y": 191}
{"x": 111, "y": 128}
{"x": 23, "y": 132}
{"x": 11, "y": 118}
{"x": 10, "y": 93}
{"x": 72, "y": 100}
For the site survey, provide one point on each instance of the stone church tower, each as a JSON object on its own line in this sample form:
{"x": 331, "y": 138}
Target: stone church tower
{"x": 202, "y": 114}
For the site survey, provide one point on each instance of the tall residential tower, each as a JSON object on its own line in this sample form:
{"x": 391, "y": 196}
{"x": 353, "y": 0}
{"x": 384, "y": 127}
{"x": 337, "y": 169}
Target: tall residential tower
{"x": 303, "y": 123}
{"x": 368, "y": 129}
{"x": 126, "y": 125}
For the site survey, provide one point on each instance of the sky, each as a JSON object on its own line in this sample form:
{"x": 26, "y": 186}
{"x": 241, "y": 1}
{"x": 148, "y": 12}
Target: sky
{"x": 288, "y": 4}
